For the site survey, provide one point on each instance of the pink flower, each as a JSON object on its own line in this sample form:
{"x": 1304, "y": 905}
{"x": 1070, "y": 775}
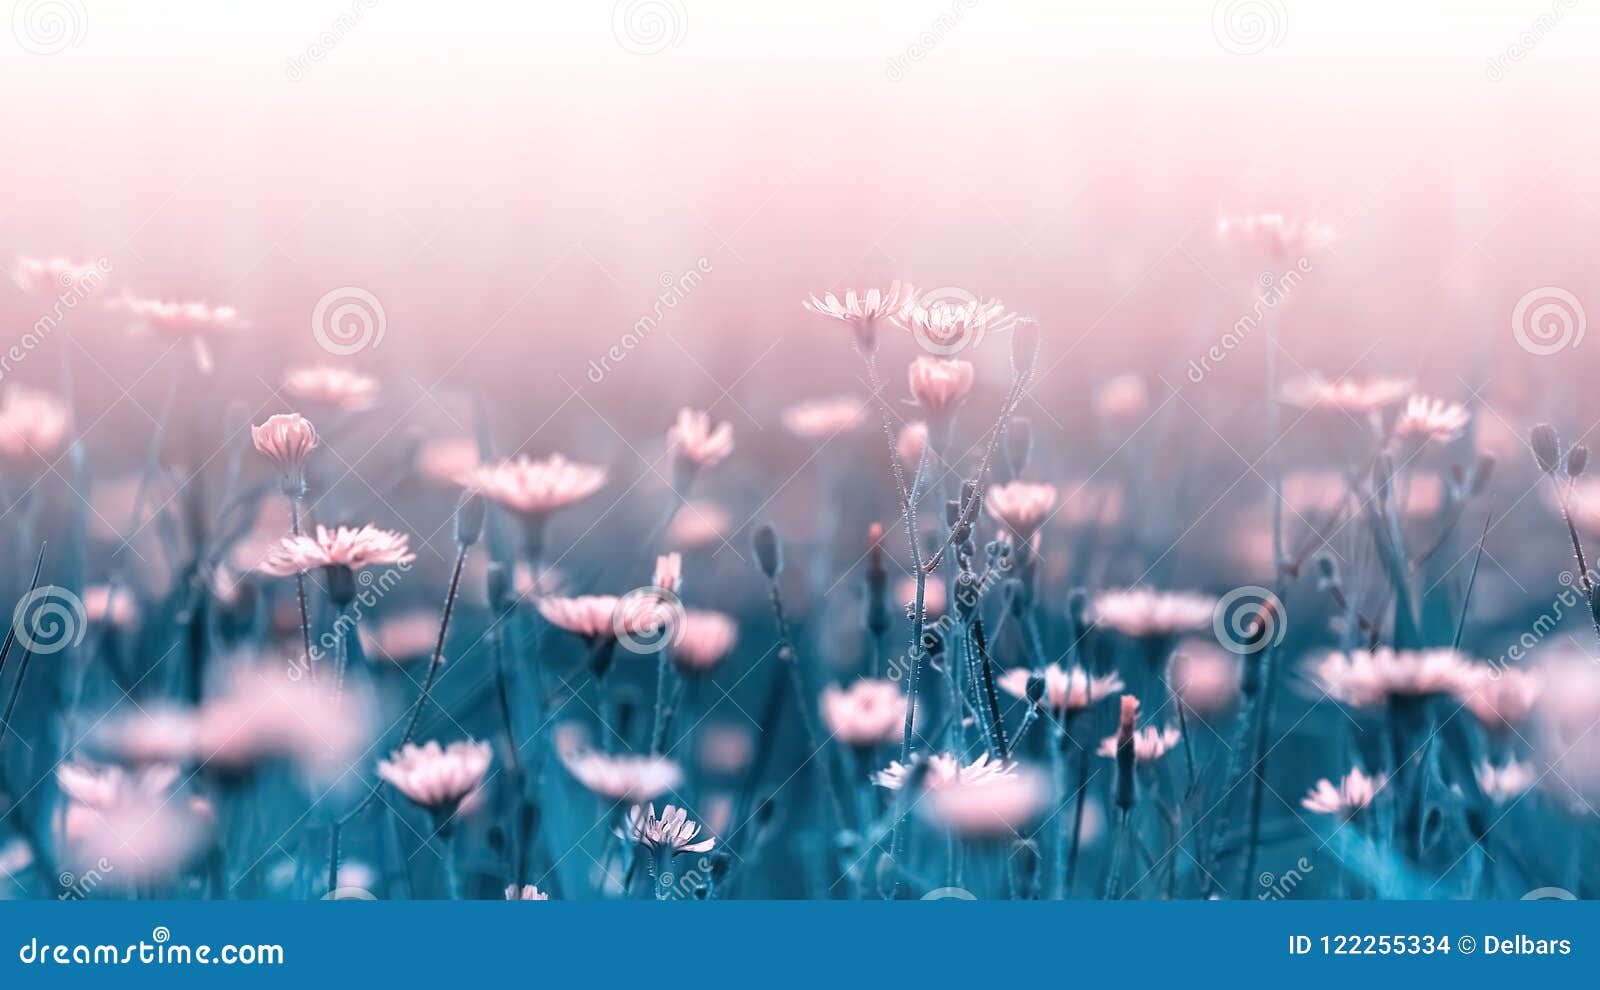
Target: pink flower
{"x": 1500, "y": 698}
{"x": 451, "y": 461}
{"x": 1501, "y": 784}
{"x": 589, "y": 616}
{"x": 40, "y": 275}
{"x": 698, "y": 524}
{"x": 536, "y": 488}
{"x": 327, "y": 385}
{"x": 346, "y": 546}
{"x": 117, "y": 606}
{"x": 1149, "y": 744}
{"x": 192, "y": 321}
{"x": 672, "y": 833}
{"x": 33, "y": 424}
{"x": 939, "y": 385}
{"x": 1352, "y": 794}
{"x": 1022, "y": 506}
{"x": 1368, "y": 678}
{"x": 694, "y": 438}
{"x": 704, "y": 638}
{"x": 913, "y": 438}
{"x": 933, "y": 595}
{"x": 437, "y": 778}
{"x": 669, "y": 572}
{"x": 1065, "y": 689}
{"x": 819, "y": 419}
{"x": 106, "y": 787}
{"x": 137, "y": 839}
{"x": 1122, "y": 399}
{"x": 407, "y": 636}
{"x": 867, "y": 713}
{"x": 945, "y": 771}
{"x": 286, "y": 439}
{"x": 724, "y": 749}
{"x": 624, "y": 778}
{"x": 1425, "y": 419}
{"x": 1347, "y": 394}
{"x": 994, "y": 806}
{"x": 527, "y": 892}
{"x": 946, "y": 326}
{"x": 1277, "y": 237}
{"x": 1143, "y": 612}
{"x": 1205, "y": 676}
{"x": 861, "y": 312}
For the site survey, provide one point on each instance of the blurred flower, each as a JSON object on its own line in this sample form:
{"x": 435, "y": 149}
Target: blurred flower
{"x": 1277, "y": 237}
{"x": 693, "y": 437}
{"x": 933, "y": 595}
{"x": 1205, "y": 676}
{"x": 913, "y": 438}
{"x": 536, "y": 488}
{"x": 1142, "y": 612}
{"x": 137, "y": 839}
{"x": 37, "y": 276}
{"x": 527, "y": 892}
{"x": 195, "y": 322}
{"x": 622, "y": 778}
{"x": 450, "y": 461}
{"x": 1314, "y": 492}
{"x": 33, "y": 424}
{"x": 346, "y": 546}
{"x": 104, "y": 603}
{"x": 286, "y": 439}
{"x": 944, "y": 771}
{"x": 725, "y": 749}
{"x": 437, "y": 778}
{"x": 407, "y": 636}
{"x": 1368, "y": 678}
{"x": 997, "y": 805}
{"x": 704, "y": 638}
{"x": 698, "y": 524}
{"x": 592, "y": 617}
{"x": 104, "y": 787}
{"x": 1149, "y": 744}
{"x": 1345, "y": 799}
{"x": 1122, "y": 400}
{"x": 862, "y": 311}
{"x": 1347, "y": 394}
{"x": 948, "y": 325}
{"x": 1501, "y": 784}
{"x": 669, "y": 572}
{"x": 673, "y": 832}
{"x": 327, "y": 385}
{"x": 866, "y": 713}
{"x": 1022, "y": 506}
{"x": 820, "y": 419}
{"x": 1425, "y": 419}
{"x": 939, "y": 385}
{"x": 1067, "y": 689}
{"x": 1500, "y": 698}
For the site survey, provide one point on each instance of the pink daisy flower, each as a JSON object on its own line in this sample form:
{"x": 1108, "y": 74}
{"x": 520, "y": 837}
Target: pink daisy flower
{"x": 195, "y": 322}
{"x": 1369, "y": 678}
{"x": 862, "y": 311}
{"x": 695, "y": 439}
{"x": 1425, "y": 419}
{"x": 345, "y": 546}
{"x": 819, "y": 419}
{"x": 33, "y": 424}
{"x": 1022, "y": 506}
{"x": 527, "y": 892}
{"x": 704, "y": 639}
{"x": 286, "y": 439}
{"x": 1141, "y": 612}
{"x": 1350, "y": 395}
{"x": 437, "y": 778}
{"x": 1149, "y": 744}
{"x": 1275, "y": 235}
{"x": 1065, "y": 689}
{"x": 939, "y": 385}
{"x": 536, "y": 488}
{"x": 866, "y": 713}
{"x": 623, "y": 777}
{"x": 1352, "y": 794}
{"x": 672, "y": 833}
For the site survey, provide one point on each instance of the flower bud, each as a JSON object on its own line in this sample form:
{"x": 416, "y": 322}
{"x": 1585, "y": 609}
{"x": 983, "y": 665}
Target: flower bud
{"x": 1577, "y": 460}
{"x": 1125, "y": 756}
{"x": 768, "y": 551}
{"x": 469, "y": 519}
{"x": 1546, "y": 447}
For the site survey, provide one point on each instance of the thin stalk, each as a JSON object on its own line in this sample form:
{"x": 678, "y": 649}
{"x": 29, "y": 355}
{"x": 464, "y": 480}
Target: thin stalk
{"x": 300, "y": 592}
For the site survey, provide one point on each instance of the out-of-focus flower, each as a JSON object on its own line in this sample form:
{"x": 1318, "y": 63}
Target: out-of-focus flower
{"x": 698, "y": 524}
{"x": 33, "y": 424}
{"x": 725, "y": 749}
{"x": 1066, "y": 689}
{"x": 407, "y": 636}
{"x": 1089, "y": 503}
{"x": 1501, "y": 784}
{"x": 862, "y": 311}
{"x": 527, "y": 892}
{"x": 819, "y": 419}
{"x": 193, "y": 321}
{"x": 347, "y": 546}
{"x": 933, "y": 595}
{"x": 588, "y": 616}
{"x": 672, "y": 833}
{"x": 450, "y": 461}
{"x": 669, "y": 572}
{"x": 536, "y": 488}
{"x": 1022, "y": 506}
{"x": 995, "y": 806}
{"x": 1205, "y": 676}
{"x": 1311, "y": 493}
{"x": 704, "y": 639}
{"x": 694, "y": 438}
{"x": 1276, "y": 236}
{"x": 437, "y": 777}
{"x": 1350, "y": 395}
{"x": 1345, "y": 799}
{"x": 37, "y": 276}
{"x": 948, "y": 325}
{"x": 1368, "y": 678}
{"x": 104, "y": 787}
{"x": 622, "y": 778}
{"x": 1122, "y": 400}
{"x": 335, "y": 387}
{"x": 944, "y": 770}
{"x": 1142, "y": 612}
{"x": 137, "y": 839}
{"x": 1500, "y": 698}
{"x": 939, "y": 385}
{"x": 1425, "y": 419}
{"x": 909, "y": 446}
{"x": 112, "y": 604}
{"x": 1149, "y": 744}
{"x": 286, "y": 439}
{"x": 866, "y": 713}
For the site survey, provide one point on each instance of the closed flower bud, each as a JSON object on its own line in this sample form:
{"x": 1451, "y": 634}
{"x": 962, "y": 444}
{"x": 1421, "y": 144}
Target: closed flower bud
{"x": 1125, "y": 754}
{"x": 1546, "y": 447}
{"x": 1327, "y": 571}
{"x": 1078, "y": 609}
{"x": 1035, "y": 688}
{"x": 1577, "y": 460}
{"x": 469, "y": 519}
{"x": 768, "y": 551}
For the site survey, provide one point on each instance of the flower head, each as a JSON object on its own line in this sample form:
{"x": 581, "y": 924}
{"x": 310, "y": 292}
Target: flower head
{"x": 588, "y": 616}
{"x": 328, "y": 385}
{"x": 192, "y": 321}
{"x": 1122, "y": 399}
{"x": 866, "y": 713}
{"x": 947, "y": 326}
{"x": 1022, "y": 506}
{"x": 694, "y": 438}
{"x": 40, "y": 275}
{"x": 1425, "y": 419}
{"x": 1501, "y": 784}
{"x": 1141, "y": 612}
{"x": 286, "y": 439}
{"x": 939, "y": 385}
{"x": 536, "y": 488}
{"x": 33, "y": 424}
{"x": 1068, "y": 689}
{"x": 672, "y": 833}
{"x": 862, "y": 311}
{"x": 944, "y": 770}
{"x": 704, "y": 638}
{"x": 1345, "y": 799}
{"x": 909, "y": 445}
{"x": 109, "y": 786}
{"x": 346, "y": 546}
{"x": 406, "y": 636}
{"x": 991, "y": 806}
{"x": 1500, "y": 699}
{"x": 1275, "y": 235}
{"x": 435, "y": 777}
{"x": 110, "y": 603}
{"x": 1350, "y": 395}
{"x": 819, "y": 419}
{"x": 634, "y": 779}
{"x": 1368, "y": 678}
{"x": 1149, "y": 743}
{"x": 669, "y": 572}
{"x": 527, "y": 892}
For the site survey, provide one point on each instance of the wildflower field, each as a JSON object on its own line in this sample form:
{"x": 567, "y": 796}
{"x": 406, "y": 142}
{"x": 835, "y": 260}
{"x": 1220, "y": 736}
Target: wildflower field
{"x": 1222, "y": 536}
